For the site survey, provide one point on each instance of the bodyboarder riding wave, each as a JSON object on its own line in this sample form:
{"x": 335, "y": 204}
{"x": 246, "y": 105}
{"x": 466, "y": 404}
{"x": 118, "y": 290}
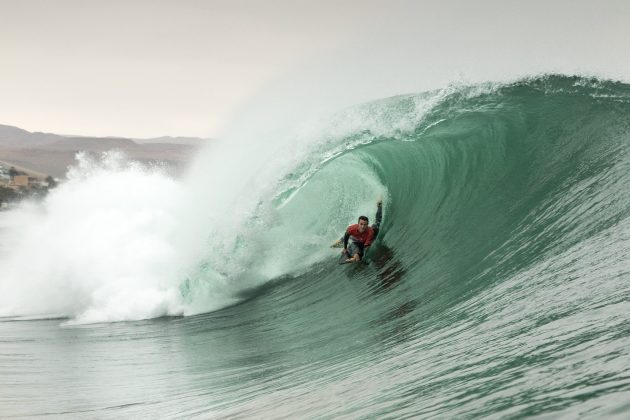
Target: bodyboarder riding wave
{"x": 358, "y": 237}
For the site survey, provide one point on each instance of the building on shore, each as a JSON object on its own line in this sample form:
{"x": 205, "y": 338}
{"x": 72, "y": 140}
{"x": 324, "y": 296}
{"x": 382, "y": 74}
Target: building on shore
{"x": 23, "y": 180}
{"x": 20, "y": 181}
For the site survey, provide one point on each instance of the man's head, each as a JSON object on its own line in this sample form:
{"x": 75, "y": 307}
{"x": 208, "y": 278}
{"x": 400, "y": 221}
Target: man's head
{"x": 363, "y": 223}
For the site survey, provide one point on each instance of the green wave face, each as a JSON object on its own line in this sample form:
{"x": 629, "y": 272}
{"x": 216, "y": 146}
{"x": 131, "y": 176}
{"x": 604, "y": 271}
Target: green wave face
{"x": 489, "y": 185}
{"x": 502, "y": 259}
{"x": 480, "y": 184}
{"x": 489, "y": 181}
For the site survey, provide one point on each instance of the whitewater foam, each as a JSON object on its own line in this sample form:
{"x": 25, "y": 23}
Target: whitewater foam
{"x": 97, "y": 248}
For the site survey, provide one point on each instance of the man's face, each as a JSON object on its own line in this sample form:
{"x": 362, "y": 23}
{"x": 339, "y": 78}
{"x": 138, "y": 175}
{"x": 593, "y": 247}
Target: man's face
{"x": 362, "y": 225}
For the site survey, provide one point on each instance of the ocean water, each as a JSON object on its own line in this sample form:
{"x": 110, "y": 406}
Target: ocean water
{"x": 499, "y": 286}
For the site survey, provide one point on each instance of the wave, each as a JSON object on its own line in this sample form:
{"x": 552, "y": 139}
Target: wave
{"x": 486, "y": 187}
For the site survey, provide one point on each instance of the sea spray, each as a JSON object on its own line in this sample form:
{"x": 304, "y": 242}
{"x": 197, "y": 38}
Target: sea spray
{"x": 97, "y": 248}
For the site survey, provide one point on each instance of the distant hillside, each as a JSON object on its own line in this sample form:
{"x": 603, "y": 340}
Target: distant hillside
{"x": 14, "y": 137}
{"x": 193, "y": 141}
{"x": 52, "y": 153}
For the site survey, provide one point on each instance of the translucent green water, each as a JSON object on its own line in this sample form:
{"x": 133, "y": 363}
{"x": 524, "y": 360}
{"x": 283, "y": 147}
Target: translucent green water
{"x": 499, "y": 285}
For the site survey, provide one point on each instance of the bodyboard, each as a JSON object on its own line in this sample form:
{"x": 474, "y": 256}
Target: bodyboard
{"x": 342, "y": 259}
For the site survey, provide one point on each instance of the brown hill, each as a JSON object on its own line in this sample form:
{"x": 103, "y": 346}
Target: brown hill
{"x": 52, "y": 153}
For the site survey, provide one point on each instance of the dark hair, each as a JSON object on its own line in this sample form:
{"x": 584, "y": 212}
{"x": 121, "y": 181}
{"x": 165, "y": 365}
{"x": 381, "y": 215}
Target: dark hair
{"x": 363, "y": 218}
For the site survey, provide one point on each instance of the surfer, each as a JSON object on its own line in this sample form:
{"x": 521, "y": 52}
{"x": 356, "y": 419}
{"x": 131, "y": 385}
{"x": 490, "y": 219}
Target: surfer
{"x": 360, "y": 236}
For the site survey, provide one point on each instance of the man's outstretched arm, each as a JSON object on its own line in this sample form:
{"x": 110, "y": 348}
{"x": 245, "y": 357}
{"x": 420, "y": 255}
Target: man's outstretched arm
{"x": 379, "y": 214}
{"x": 377, "y": 224}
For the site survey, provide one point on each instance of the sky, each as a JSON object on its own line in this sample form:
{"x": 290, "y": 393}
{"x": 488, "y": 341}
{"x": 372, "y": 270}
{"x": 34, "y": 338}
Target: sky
{"x": 147, "y": 68}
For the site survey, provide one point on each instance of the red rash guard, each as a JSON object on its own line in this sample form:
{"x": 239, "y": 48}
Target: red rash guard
{"x": 365, "y": 238}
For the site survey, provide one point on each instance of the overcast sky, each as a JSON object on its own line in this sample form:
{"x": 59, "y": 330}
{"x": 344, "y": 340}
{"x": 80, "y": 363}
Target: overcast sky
{"x": 149, "y": 67}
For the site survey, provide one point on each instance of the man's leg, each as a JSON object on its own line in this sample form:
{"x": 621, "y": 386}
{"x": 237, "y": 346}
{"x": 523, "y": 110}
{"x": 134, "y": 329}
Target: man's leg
{"x": 355, "y": 251}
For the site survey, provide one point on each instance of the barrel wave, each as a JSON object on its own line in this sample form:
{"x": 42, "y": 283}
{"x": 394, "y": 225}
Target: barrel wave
{"x": 499, "y": 285}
